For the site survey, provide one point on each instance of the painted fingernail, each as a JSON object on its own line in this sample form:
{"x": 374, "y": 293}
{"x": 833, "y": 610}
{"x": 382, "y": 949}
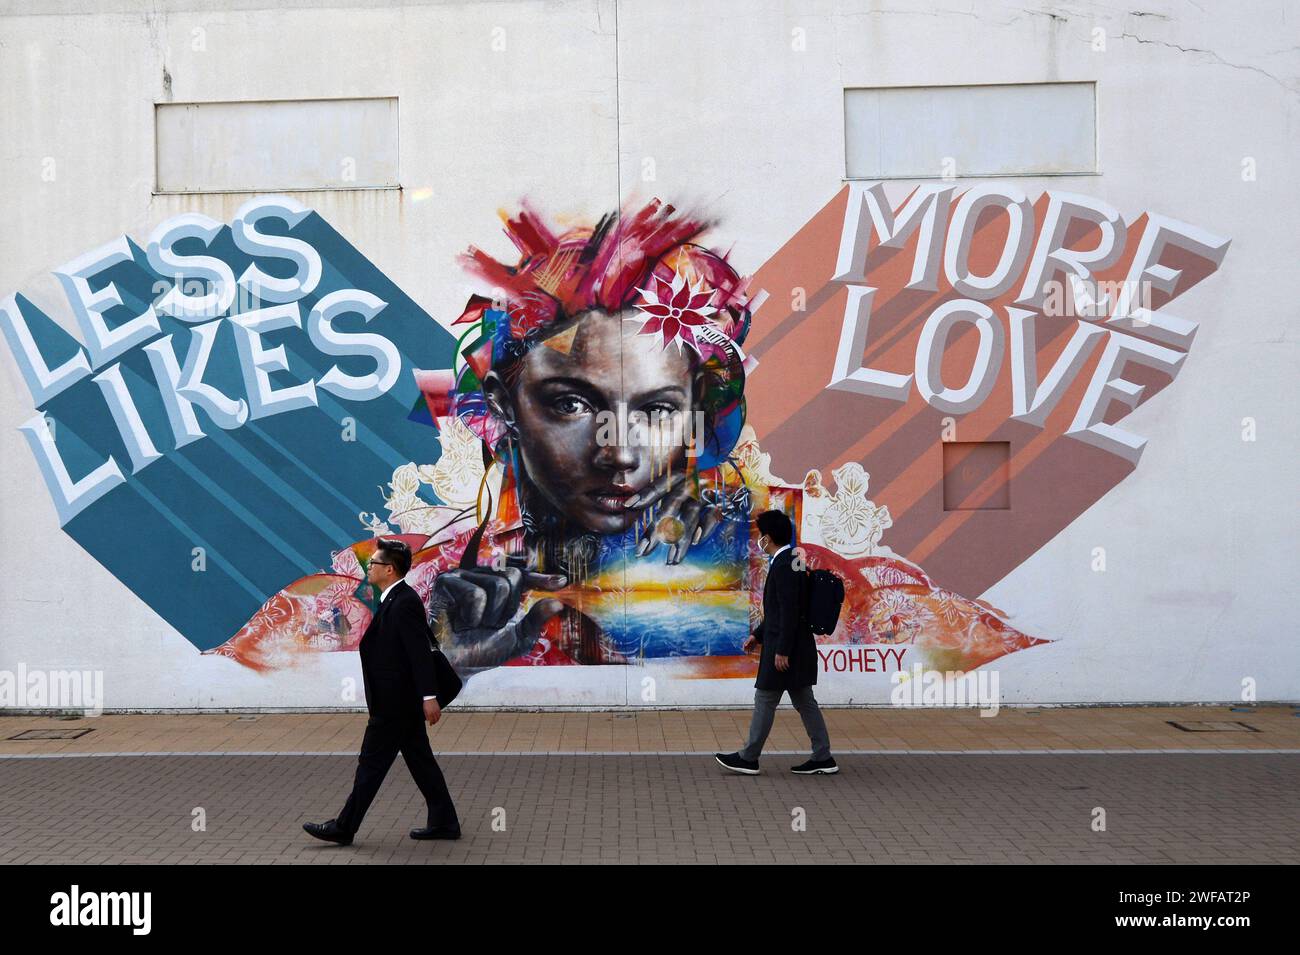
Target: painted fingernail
{"x": 699, "y": 532}
{"x": 631, "y": 501}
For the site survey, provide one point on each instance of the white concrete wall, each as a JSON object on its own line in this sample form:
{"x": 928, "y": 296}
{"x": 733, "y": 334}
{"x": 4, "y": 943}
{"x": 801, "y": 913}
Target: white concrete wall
{"x": 584, "y": 98}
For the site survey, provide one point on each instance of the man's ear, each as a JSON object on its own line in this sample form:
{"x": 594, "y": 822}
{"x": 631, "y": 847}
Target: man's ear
{"x": 498, "y": 399}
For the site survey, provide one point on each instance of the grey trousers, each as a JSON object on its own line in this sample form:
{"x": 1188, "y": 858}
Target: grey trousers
{"x": 765, "y": 704}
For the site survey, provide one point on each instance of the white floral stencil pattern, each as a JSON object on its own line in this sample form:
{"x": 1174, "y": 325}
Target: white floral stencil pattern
{"x": 847, "y": 522}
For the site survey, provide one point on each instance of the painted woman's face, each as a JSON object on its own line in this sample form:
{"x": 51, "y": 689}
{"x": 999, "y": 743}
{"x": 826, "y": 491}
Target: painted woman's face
{"x": 600, "y": 417}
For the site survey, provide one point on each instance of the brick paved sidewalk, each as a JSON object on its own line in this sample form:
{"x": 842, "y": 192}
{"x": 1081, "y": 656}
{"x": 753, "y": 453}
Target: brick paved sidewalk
{"x": 1174, "y": 808}
{"x": 1169, "y": 795}
{"x": 694, "y": 731}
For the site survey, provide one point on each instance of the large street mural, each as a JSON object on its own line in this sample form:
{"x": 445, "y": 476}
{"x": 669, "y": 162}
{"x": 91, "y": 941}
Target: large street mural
{"x": 931, "y": 388}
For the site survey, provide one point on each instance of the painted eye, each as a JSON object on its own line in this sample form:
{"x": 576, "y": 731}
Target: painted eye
{"x": 570, "y": 406}
{"x": 659, "y": 415}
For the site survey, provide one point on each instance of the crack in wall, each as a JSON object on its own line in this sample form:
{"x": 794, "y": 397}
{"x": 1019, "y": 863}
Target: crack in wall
{"x": 1218, "y": 59}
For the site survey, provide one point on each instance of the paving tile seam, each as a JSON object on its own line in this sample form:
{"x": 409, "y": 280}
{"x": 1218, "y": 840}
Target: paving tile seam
{"x": 648, "y": 752}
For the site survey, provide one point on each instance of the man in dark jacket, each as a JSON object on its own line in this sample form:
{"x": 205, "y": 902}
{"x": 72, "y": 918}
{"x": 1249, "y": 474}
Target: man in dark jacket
{"x": 401, "y": 686}
{"x": 789, "y": 655}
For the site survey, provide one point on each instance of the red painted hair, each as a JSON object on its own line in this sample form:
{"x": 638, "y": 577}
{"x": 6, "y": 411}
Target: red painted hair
{"x": 561, "y": 275}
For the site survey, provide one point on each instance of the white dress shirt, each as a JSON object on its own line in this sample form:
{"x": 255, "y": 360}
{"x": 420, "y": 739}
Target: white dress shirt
{"x": 381, "y": 600}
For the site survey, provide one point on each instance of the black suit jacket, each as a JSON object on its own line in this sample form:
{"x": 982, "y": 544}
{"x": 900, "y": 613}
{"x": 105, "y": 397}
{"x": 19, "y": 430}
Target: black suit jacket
{"x": 397, "y": 656}
{"x": 785, "y": 629}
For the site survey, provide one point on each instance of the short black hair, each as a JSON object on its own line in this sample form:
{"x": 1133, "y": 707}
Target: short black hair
{"x": 399, "y": 554}
{"x": 776, "y": 526}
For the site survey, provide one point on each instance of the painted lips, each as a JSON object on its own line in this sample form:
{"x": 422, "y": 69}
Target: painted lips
{"x": 612, "y": 500}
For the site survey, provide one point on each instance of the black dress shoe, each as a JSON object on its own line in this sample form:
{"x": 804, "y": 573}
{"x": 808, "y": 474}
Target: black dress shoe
{"x": 436, "y": 832}
{"x": 329, "y": 831}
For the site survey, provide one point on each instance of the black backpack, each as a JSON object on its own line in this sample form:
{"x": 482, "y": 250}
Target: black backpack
{"x": 823, "y": 598}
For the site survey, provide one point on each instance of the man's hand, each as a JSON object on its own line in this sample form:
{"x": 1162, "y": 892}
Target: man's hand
{"x": 782, "y": 663}
{"x": 750, "y": 643}
{"x": 432, "y": 711}
{"x": 481, "y": 601}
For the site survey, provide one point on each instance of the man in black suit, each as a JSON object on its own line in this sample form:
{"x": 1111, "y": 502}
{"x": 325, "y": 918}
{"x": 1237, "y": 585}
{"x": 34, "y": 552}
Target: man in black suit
{"x": 789, "y": 655}
{"x": 397, "y": 669}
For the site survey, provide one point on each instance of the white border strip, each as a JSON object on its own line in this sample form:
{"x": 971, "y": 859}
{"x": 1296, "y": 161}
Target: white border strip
{"x": 352, "y": 754}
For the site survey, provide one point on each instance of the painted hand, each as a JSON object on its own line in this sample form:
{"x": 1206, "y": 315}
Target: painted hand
{"x": 682, "y": 521}
{"x": 480, "y": 604}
